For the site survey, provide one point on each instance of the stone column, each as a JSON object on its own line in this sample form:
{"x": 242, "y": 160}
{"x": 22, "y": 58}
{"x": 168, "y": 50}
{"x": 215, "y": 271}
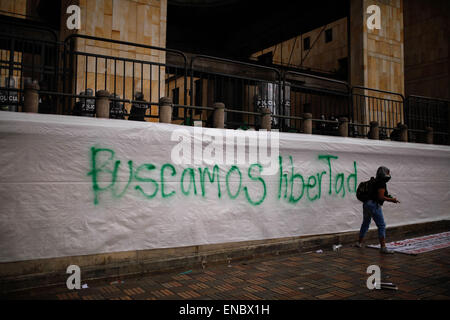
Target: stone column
{"x": 374, "y": 132}
{"x": 165, "y": 110}
{"x": 307, "y": 123}
{"x": 376, "y": 57}
{"x": 31, "y": 98}
{"x": 403, "y": 132}
{"x": 343, "y": 127}
{"x": 266, "y": 119}
{"x": 219, "y": 115}
{"x": 102, "y": 104}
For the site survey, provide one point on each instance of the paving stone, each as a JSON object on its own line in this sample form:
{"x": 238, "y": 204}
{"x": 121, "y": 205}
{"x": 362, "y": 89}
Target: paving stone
{"x": 297, "y": 276}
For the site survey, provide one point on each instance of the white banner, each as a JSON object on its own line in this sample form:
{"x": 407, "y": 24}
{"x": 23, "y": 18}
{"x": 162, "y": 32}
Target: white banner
{"x": 76, "y": 186}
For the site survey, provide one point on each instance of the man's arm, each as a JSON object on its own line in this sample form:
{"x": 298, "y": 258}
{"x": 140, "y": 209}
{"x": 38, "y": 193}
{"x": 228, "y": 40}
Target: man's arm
{"x": 382, "y": 197}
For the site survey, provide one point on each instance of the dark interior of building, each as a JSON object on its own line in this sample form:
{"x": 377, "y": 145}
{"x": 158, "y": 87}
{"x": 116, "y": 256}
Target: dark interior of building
{"x": 225, "y": 28}
{"x": 235, "y": 29}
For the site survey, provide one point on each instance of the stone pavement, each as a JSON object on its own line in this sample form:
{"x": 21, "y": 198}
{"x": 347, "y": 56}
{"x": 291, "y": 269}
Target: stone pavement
{"x": 310, "y": 275}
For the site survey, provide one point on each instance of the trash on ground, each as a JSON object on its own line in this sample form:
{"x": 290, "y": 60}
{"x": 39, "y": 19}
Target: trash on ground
{"x": 186, "y": 272}
{"x": 336, "y": 247}
{"x": 319, "y": 251}
{"x": 84, "y": 286}
{"x": 388, "y": 286}
{"x": 301, "y": 288}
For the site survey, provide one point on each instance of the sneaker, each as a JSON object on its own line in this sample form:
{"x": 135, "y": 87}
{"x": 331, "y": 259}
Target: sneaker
{"x": 386, "y": 250}
{"x": 359, "y": 245}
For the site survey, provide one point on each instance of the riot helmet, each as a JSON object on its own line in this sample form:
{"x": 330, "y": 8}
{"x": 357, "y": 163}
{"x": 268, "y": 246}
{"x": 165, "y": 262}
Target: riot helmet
{"x": 383, "y": 174}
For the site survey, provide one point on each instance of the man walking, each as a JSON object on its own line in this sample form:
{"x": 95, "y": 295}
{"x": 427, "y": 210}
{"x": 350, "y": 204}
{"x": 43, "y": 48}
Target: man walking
{"x": 378, "y": 194}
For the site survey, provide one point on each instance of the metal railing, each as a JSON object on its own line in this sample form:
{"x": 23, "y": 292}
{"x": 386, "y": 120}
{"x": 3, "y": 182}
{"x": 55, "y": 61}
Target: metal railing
{"x": 424, "y": 112}
{"x": 242, "y": 87}
{"x": 71, "y": 72}
{"x": 23, "y": 61}
{"x": 373, "y": 105}
{"x": 129, "y": 80}
{"x": 325, "y": 99}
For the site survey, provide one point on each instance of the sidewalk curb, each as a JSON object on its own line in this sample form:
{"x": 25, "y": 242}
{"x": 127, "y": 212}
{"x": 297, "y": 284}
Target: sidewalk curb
{"x": 135, "y": 263}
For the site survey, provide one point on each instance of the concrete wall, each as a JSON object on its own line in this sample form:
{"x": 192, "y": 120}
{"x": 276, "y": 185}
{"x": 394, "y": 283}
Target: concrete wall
{"x": 381, "y": 65}
{"x": 322, "y": 56}
{"x": 427, "y": 60}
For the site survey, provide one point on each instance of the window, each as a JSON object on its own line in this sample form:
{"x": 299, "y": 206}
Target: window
{"x": 307, "y": 43}
{"x": 328, "y": 35}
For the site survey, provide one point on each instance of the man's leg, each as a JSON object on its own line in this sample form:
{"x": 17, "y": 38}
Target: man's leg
{"x": 381, "y": 225}
{"x": 367, "y": 218}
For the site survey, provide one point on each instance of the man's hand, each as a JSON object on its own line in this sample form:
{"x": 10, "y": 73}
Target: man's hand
{"x": 394, "y": 200}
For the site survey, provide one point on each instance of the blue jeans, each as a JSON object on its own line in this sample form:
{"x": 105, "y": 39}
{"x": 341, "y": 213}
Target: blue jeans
{"x": 371, "y": 209}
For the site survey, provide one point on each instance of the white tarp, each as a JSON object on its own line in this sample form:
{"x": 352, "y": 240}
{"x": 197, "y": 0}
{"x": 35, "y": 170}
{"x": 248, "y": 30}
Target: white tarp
{"x": 63, "y": 191}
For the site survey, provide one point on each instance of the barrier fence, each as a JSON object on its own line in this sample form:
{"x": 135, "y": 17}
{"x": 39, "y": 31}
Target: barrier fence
{"x": 136, "y": 85}
{"x": 243, "y": 87}
{"x": 423, "y": 114}
{"x": 382, "y": 107}
{"x": 70, "y": 77}
{"x": 24, "y": 60}
{"x": 326, "y": 100}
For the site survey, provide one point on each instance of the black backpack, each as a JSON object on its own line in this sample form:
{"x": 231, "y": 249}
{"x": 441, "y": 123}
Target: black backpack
{"x": 364, "y": 189}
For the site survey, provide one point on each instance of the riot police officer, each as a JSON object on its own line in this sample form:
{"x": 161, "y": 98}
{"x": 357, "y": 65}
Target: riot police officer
{"x": 137, "y": 112}
{"x": 85, "y": 107}
{"x": 46, "y": 101}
